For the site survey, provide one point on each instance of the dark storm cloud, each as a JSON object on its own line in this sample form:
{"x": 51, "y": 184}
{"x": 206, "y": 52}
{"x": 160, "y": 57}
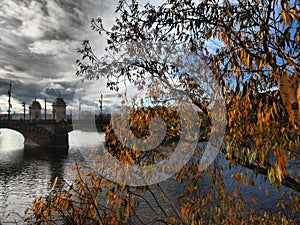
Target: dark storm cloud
{"x": 39, "y": 42}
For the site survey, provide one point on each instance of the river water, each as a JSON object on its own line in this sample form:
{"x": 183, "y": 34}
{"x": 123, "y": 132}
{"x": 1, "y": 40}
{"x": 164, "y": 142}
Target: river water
{"x": 25, "y": 175}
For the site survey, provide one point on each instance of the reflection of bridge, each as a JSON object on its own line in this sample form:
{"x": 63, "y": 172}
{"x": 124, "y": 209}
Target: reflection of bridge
{"x": 51, "y": 134}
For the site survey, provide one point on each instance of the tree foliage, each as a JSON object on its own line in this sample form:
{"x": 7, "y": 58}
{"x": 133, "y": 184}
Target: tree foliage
{"x": 252, "y": 49}
{"x": 255, "y": 50}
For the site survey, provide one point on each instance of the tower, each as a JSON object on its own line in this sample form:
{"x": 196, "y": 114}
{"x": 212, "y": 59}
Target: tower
{"x": 35, "y": 110}
{"x": 59, "y": 109}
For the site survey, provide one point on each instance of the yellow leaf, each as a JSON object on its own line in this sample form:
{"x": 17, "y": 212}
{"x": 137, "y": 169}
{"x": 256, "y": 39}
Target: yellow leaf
{"x": 293, "y": 14}
{"x": 267, "y": 117}
{"x": 278, "y": 173}
{"x": 53, "y": 184}
{"x": 283, "y": 16}
{"x": 288, "y": 95}
{"x": 260, "y": 65}
{"x": 248, "y": 60}
{"x": 267, "y": 191}
{"x": 298, "y": 97}
{"x": 94, "y": 213}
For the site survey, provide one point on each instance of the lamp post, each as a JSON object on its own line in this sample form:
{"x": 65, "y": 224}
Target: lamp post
{"x": 100, "y": 101}
{"x": 45, "y": 109}
{"x": 23, "y": 104}
{"x": 79, "y": 108}
{"x": 9, "y": 102}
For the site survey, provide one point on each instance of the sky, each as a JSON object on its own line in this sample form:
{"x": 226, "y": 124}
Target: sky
{"x": 38, "y": 44}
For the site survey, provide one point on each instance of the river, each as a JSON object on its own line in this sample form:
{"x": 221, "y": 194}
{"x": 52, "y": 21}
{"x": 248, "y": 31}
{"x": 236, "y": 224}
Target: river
{"x": 25, "y": 175}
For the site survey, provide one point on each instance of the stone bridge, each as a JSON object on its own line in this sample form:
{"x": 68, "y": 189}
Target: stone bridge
{"x": 51, "y": 134}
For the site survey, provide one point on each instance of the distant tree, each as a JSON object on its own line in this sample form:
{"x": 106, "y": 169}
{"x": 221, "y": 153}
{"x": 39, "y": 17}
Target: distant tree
{"x": 252, "y": 49}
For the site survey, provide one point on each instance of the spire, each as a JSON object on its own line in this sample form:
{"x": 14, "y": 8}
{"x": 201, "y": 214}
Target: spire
{"x": 59, "y": 94}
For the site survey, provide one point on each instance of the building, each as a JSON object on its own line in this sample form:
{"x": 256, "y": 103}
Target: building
{"x": 59, "y": 109}
{"x": 35, "y": 110}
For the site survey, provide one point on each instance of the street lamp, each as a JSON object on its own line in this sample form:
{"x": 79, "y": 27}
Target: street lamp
{"x": 9, "y": 102}
{"x": 79, "y": 107}
{"x": 45, "y": 108}
{"x": 23, "y": 104}
{"x": 100, "y": 101}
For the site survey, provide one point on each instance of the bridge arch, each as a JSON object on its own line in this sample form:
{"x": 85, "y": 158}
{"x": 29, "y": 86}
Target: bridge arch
{"x": 38, "y": 134}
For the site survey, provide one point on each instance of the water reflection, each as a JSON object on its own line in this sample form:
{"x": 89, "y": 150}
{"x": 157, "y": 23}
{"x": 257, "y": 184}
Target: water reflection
{"x": 11, "y": 140}
{"x": 57, "y": 170}
{"x": 25, "y": 175}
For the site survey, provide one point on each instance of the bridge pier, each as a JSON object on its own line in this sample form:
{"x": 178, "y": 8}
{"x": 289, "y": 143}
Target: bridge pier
{"x": 60, "y": 138}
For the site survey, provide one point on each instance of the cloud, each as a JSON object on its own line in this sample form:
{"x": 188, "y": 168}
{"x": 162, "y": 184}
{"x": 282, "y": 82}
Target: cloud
{"x": 38, "y": 44}
{"x": 33, "y": 20}
{"x": 59, "y": 48}
{"x": 40, "y": 19}
{"x": 36, "y": 19}
{"x": 11, "y": 72}
{"x": 29, "y": 17}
